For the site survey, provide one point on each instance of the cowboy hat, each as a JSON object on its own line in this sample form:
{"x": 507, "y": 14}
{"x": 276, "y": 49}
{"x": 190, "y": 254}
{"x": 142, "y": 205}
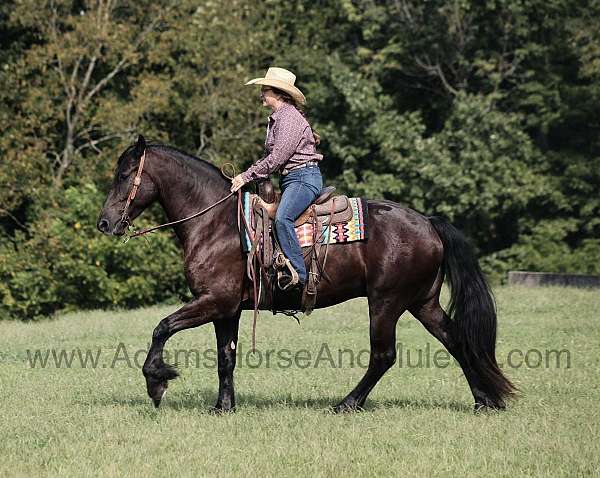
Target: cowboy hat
{"x": 281, "y": 79}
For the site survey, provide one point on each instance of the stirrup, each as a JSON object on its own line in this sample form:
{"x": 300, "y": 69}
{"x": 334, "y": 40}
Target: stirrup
{"x": 295, "y": 279}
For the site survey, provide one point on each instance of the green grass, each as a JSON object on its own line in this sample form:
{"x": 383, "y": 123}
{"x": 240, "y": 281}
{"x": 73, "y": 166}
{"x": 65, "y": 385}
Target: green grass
{"x": 418, "y": 421}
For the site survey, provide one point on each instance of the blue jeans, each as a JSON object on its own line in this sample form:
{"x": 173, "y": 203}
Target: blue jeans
{"x": 299, "y": 189}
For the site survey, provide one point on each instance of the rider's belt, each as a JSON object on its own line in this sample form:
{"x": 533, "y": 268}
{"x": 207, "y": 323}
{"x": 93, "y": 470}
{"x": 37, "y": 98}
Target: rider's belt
{"x": 303, "y": 165}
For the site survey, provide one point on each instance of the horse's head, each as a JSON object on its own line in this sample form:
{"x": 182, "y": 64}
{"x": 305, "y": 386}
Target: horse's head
{"x": 117, "y": 212}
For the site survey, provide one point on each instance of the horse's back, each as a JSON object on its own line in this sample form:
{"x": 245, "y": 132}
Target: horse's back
{"x": 402, "y": 250}
{"x": 402, "y": 227}
{"x": 403, "y": 239}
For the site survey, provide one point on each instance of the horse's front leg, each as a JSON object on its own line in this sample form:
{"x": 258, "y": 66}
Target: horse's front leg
{"x": 198, "y": 312}
{"x": 226, "y": 331}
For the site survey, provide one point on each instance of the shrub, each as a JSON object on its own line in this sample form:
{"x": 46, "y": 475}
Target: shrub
{"x": 67, "y": 264}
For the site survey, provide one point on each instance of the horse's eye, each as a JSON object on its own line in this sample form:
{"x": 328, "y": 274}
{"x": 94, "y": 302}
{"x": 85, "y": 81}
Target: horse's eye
{"x": 123, "y": 176}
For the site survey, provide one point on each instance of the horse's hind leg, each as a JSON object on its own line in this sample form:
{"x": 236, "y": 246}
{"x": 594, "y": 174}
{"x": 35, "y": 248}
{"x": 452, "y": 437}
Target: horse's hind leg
{"x": 437, "y": 322}
{"x": 383, "y": 319}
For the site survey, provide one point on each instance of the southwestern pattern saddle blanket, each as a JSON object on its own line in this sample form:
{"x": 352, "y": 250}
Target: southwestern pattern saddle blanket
{"x": 353, "y": 230}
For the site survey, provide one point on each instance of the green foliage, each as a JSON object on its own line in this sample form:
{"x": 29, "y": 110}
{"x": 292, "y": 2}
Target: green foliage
{"x": 480, "y": 171}
{"x": 546, "y": 248}
{"x": 65, "y": 264}
{"x": 485, "y": 112}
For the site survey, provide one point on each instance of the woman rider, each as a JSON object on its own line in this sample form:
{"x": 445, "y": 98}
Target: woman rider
{"x": 290, "y": 150}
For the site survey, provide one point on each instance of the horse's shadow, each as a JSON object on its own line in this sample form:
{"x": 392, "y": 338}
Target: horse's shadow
{"x": 203, "y": 400}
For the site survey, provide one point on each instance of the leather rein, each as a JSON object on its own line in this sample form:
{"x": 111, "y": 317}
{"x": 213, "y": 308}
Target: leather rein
{"x": 134, "y": 189}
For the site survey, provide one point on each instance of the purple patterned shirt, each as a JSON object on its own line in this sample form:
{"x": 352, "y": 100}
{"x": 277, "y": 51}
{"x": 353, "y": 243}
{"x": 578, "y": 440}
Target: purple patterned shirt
{"x": 290, "y": 142}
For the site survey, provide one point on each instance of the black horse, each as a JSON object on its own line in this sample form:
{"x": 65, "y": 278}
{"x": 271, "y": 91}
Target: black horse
{"x": 400, "y": 267}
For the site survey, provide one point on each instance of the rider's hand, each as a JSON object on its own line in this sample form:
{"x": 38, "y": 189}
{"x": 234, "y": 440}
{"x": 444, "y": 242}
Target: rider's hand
{"x": 237, "y": 183}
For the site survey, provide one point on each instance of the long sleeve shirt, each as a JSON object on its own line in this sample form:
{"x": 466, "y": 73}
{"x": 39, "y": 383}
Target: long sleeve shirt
{"x": 289, "y": 143}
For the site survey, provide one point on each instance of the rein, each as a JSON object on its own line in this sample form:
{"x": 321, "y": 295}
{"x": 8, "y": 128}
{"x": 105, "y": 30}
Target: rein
{"x": 179, "y": 221}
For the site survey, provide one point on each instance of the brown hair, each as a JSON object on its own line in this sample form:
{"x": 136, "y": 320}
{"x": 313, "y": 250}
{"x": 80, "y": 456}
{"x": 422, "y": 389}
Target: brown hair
{"x": 290, "y": 100}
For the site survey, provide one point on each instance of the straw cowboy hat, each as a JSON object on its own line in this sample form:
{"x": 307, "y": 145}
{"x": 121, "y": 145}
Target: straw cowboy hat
{"x": 281, "y": 79}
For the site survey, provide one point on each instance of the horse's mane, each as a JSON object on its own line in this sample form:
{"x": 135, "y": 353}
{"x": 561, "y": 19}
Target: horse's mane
{"x": 186, "y": 157}
{"x": 193, "y": 162}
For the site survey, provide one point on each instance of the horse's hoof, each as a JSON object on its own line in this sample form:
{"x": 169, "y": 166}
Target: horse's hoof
{"x": 220, "y": 410}
{"x": 487, "y": 406}
{"x": 156, "y": 390}
{"x": 347, "y": 407}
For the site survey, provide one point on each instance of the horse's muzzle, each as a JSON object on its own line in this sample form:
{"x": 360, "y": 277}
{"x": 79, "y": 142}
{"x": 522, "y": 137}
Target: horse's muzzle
{"x": 105, "y": 227}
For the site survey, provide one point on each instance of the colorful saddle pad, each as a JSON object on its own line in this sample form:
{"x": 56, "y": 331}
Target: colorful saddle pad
{"x": 353, "y": 230}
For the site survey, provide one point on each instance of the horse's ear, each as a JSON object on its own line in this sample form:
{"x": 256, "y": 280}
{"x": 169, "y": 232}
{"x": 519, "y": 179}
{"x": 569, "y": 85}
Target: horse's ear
{"x": 140, "y": 146}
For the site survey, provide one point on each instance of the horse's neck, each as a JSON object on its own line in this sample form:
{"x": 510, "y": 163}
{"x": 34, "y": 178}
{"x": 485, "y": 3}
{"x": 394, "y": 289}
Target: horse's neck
{"x": 182, "y": 194}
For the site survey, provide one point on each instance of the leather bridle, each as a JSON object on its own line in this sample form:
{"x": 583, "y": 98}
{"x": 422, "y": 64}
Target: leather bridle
{"x": 134, "y": 189}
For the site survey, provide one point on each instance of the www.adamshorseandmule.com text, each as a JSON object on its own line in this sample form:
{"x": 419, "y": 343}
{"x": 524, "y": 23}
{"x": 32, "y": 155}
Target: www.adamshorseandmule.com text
{"x": 322, "y": 355}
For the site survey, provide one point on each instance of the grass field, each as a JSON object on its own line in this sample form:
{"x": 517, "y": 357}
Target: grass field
{"x": 98, "y": 420}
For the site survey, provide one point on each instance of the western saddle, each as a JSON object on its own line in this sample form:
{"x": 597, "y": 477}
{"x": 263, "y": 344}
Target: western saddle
{"x": 322, "y": 206}
{"x": 265, "y": 253}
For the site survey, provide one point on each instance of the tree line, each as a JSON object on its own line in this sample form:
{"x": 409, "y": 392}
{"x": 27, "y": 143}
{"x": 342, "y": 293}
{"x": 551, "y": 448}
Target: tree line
{"x": 484, "y": 111}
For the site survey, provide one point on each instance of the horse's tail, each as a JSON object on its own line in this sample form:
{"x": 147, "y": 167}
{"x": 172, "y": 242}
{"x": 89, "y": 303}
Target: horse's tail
{"x": 473, "y": 313}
